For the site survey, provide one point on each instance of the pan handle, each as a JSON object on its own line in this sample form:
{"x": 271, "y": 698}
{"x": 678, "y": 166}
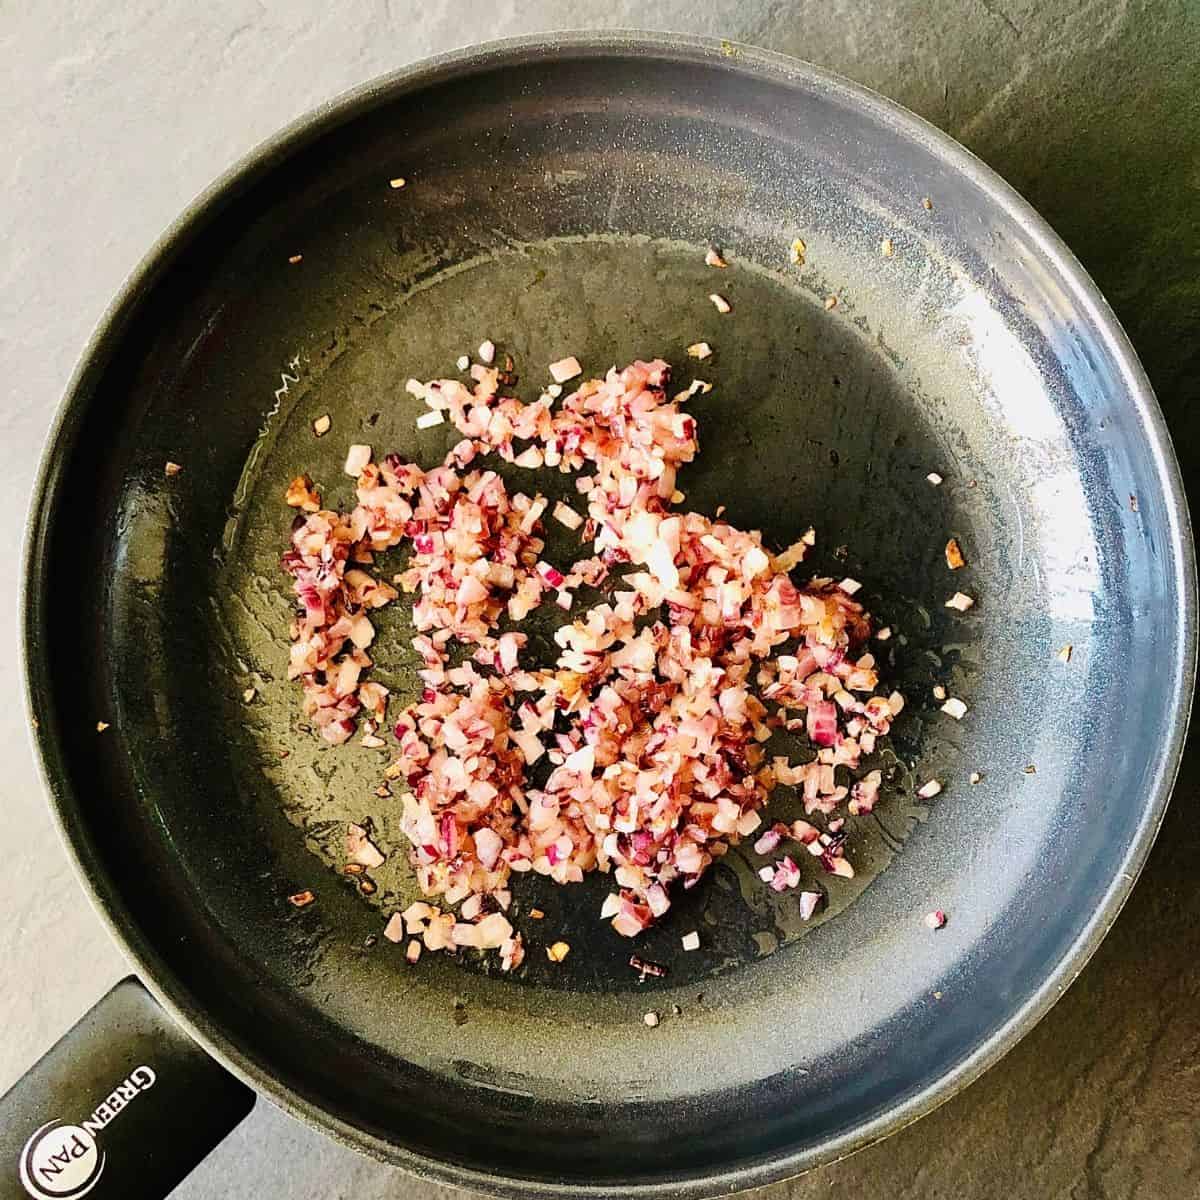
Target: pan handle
{"x": 124, "y": 1105}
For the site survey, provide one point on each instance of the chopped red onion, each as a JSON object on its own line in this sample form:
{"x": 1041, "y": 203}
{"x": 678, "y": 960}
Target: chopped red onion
{"x": 654, "y": 715}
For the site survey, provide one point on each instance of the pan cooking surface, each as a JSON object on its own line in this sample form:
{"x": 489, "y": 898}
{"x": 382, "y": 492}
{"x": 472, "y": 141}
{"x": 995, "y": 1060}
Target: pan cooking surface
{"x": 791, "y": 393}
{"x": 562, "y": 206}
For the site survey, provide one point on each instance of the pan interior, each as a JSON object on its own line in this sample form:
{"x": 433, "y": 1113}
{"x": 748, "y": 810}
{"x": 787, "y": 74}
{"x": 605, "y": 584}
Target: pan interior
{"x": 563, "y": 206}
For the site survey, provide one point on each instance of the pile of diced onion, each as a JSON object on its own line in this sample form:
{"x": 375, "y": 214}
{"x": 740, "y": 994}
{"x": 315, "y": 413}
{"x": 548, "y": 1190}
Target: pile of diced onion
{"x": 653, "y": 718}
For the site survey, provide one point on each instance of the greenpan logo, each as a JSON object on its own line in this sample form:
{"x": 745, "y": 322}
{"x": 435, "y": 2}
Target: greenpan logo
{"x": 64, "y": 1162}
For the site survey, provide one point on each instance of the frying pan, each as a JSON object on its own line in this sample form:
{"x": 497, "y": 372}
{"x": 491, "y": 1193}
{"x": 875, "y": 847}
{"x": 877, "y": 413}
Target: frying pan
{"x": 559, "y": 197}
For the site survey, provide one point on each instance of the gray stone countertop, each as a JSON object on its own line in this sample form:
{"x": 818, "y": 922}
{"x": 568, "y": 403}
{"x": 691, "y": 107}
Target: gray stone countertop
{"x": 114, "y": 115}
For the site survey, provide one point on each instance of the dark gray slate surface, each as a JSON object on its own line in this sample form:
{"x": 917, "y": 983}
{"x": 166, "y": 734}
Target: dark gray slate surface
{"x": 114, "y": 115}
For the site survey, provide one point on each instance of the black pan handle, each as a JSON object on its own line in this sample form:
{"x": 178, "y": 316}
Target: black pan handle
{"x": 122, "y": 1107}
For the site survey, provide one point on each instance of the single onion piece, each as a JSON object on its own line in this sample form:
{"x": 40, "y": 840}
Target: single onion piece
{"x": 566, "y": 515}
{"x": 822, "y": 723}
{"x": 656, "y": 897}
{"x": 301, "y": 494}
{"x": 512, "y": 953}
{"x": 417, "y": 915}
{"x": 748, "y": 822}
{"x": 531, "y": 458}
{"x": 564, "y": 369}
{"x": 787, "y": 874}
{"x": 529, "y": 744}
{"x": 356, "y": 459}
{"x": 768, "y": 842}
{"x": 554, "y": 577}
{"x": 804, "y": 833}
{"x": 360, "y": 849}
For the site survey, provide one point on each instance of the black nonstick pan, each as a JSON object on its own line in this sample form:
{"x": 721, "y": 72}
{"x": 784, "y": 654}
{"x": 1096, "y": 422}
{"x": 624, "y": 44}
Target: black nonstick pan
{"x": 559, "y": 197}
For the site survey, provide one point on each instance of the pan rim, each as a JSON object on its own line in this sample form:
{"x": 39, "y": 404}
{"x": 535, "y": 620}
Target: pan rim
{"x": 106, "y": 894}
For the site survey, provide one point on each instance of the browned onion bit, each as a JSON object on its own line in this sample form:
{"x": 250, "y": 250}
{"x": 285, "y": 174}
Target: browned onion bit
{"x": 301, "y": 899}
{"x": 301, "y": 494}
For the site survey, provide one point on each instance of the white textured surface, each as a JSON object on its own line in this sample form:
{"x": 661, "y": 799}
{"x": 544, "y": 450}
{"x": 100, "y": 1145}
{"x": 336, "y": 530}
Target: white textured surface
{"x": 114, "y": 114}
